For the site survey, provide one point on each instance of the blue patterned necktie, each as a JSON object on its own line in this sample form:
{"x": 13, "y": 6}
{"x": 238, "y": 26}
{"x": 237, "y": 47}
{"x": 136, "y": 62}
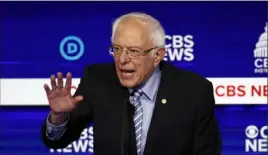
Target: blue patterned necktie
{"x": 137, "y": 117}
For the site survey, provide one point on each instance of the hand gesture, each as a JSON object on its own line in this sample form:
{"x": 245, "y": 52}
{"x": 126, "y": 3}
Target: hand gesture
{"x": 59, "y": 96}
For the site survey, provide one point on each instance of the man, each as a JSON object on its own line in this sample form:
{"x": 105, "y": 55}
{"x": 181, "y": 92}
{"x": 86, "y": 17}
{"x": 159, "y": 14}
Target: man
{"x": 138, "y": 105}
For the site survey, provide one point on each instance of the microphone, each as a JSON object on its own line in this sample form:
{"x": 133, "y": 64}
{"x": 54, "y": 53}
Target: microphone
{"x": 126, "y": 107}
{"x": 131, "y": 108}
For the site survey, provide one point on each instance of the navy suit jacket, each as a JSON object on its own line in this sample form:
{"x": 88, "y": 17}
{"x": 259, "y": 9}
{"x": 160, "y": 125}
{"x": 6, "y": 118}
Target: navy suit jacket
{"x": 185, "y": 125}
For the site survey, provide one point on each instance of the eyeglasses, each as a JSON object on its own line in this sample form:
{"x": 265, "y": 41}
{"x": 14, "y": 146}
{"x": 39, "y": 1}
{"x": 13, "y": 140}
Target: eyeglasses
{"x": 116, "y": 50}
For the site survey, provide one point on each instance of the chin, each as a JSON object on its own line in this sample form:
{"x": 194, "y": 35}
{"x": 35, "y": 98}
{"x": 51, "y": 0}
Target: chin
{"x": 128, "y": 83}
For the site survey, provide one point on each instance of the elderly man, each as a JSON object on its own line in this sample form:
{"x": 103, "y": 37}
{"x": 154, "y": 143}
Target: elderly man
{"x": 138, "y": 105}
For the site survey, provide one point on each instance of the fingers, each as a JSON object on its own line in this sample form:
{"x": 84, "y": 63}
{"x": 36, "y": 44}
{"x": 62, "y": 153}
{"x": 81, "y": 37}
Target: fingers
{"x": 53, "y": 81}
{"x": 59, "y": 83}
{"x": 60, "y": 80}
{"x": 77, "y": 99}
{"x": 68, "y": 83}
{"x": 47, "y": 89}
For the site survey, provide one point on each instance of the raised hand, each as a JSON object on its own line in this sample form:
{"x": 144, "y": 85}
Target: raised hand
{"x": 59, "y": 96}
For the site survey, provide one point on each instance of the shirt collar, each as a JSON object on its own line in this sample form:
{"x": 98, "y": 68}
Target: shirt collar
{"x": 150, "y": 88}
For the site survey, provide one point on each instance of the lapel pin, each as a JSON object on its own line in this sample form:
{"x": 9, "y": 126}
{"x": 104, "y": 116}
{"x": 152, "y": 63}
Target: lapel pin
{"x": 164, "y": 101}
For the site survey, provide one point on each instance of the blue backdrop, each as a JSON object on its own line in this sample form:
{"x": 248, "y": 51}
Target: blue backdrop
{"x": 222, "y": 38}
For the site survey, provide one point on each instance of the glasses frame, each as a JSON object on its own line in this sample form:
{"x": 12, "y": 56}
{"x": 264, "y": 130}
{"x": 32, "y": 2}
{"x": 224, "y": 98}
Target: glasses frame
{"x": 128, "y": 53}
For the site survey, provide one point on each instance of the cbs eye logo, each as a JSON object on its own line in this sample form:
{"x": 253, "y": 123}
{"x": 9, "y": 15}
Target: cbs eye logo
{"x": 71, "y": 48}
{"x": 252, "y": 131}
{"x": 256, "y": 140}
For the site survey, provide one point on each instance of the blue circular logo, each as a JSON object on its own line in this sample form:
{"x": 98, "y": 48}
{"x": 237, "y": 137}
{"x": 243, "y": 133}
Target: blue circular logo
{"x": 71, "y": 48}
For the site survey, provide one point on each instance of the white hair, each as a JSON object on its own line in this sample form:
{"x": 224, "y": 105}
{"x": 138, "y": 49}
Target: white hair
{"x": 157, "y": 33}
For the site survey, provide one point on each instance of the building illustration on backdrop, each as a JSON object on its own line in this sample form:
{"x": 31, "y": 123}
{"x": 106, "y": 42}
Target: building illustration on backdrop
{"x": 261, "y": 53}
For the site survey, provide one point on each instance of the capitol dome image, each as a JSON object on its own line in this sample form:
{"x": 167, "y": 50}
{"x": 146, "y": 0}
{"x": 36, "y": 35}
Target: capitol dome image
{"x": 261, "y": 46}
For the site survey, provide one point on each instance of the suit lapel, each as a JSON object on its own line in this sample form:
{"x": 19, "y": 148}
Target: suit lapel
{"x": 115, "y": 90}
{"x": 117, "y": 94}
{"x": 120, "y": 100}
{"x": 165, "y": 88}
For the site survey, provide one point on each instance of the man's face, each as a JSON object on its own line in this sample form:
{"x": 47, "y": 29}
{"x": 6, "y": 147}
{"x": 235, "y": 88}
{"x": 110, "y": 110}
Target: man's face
{"x": 132, "y": 34}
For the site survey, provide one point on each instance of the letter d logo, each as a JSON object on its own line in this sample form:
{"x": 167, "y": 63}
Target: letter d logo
{"x": 71, "y": 48}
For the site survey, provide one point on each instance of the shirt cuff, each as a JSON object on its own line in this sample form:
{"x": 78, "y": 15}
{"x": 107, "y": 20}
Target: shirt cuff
{"x": 55, "y": 132}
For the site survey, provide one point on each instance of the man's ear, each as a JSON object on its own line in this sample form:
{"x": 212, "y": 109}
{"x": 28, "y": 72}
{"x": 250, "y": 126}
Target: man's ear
{"x": 159, "y": 55}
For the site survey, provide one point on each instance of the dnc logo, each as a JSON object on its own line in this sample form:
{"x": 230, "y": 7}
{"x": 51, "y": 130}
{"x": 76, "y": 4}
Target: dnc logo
{"x": 71, "y": 48}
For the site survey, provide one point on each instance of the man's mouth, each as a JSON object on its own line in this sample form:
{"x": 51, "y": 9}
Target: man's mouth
{"x": 127, "y": 72}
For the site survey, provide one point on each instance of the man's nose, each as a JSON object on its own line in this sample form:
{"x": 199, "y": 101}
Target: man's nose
{"x": 124, "y": 57}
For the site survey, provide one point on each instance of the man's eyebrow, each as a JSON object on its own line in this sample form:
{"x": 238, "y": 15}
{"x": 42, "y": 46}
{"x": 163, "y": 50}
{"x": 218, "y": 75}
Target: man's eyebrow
{"x": 129, "y": 46}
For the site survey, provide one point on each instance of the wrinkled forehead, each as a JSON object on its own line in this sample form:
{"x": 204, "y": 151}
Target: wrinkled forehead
{"x": 132, "y": 32}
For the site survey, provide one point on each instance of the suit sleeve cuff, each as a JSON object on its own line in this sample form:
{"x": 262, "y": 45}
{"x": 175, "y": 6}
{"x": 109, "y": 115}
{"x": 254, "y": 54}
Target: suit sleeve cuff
{"x": 55, "y": 132}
